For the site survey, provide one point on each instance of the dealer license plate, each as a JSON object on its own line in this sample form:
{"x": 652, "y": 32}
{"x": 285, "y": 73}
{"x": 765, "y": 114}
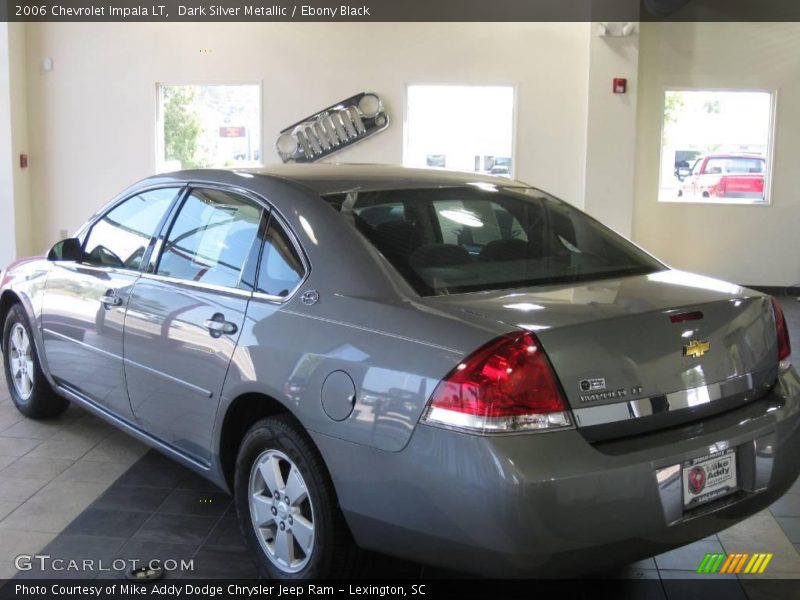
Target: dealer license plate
{"x": 708, "y": 478}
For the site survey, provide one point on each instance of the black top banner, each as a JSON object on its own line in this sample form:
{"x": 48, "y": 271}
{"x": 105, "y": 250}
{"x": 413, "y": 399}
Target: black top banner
{"x": 399, "y": 10}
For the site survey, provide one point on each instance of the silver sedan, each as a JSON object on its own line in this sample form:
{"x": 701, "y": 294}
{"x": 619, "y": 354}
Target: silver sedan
{"x": 456, "y": 369}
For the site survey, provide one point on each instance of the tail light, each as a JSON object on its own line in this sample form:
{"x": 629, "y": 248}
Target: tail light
{"x": 506, "y": 385}
{"x": 784, "y": 345}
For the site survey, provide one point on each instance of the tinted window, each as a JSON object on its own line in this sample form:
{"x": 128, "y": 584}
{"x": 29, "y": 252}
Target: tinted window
{"x": 735, "y": 164}
{"x": 455, "y": 240}
{"x": 119, "y": 239}
{"x": 281, "y": 269}
{"x": 210, "y": 239}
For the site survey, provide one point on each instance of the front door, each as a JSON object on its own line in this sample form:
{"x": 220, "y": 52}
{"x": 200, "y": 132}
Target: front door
{"x": 84, "y": 304}
{"x": 184, "y": 318}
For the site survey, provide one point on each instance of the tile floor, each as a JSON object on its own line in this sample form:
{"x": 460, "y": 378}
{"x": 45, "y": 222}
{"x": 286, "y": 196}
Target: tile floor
{"x": 78, "y": 488}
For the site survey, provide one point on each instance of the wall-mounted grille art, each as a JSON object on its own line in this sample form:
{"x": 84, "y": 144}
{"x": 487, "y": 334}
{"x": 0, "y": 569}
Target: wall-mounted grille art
{"x": 332, "y": 129}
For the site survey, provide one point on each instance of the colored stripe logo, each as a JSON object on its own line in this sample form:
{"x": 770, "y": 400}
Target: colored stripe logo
{"x": 735, "y": 563}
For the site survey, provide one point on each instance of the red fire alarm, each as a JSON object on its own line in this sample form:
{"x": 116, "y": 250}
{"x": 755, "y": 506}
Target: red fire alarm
{"x": 23, "y": 161}
{"x": 620, "y": 85}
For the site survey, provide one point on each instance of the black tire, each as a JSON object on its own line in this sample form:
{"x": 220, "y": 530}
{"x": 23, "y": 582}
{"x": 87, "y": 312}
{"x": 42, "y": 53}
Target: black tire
{"x": 43, "y": 402}
{"x": 333, "y": 553}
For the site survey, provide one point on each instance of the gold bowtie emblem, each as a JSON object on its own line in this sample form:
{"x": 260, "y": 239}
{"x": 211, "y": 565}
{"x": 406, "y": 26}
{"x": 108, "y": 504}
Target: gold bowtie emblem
{"x": 696, "y": 348}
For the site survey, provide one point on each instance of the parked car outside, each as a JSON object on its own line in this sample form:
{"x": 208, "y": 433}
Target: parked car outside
{"x": 455, "y": 369}
{"x": 734, "y": 176}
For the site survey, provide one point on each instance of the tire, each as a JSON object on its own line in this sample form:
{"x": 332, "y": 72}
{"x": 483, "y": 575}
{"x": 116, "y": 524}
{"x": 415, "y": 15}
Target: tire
{"x": 30, "y": 391}
{"x": 283, "y": 450}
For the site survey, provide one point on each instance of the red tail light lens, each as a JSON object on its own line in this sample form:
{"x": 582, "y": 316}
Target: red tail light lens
{"x": 506, "y": 385}
{"x": 784, "y": 345}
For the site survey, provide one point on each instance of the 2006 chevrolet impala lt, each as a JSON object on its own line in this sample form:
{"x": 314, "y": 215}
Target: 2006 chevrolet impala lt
{"x": 452, "y": 368}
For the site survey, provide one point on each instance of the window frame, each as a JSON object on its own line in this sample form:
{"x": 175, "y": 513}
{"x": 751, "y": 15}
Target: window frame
{"x": 514, "y": 119}
{"x": 298, "y": 249}
{"x": 267, "y": 212}
{"x": 159, "y": 166}
{"x": 84, "y": 232}
{"x": 769, "y": 156}
{"x": 175, "y": 212}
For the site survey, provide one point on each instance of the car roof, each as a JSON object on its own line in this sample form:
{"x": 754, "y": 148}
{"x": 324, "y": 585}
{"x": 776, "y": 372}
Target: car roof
{"x": 729, "y": 155}
{"x": 331, "y": 178}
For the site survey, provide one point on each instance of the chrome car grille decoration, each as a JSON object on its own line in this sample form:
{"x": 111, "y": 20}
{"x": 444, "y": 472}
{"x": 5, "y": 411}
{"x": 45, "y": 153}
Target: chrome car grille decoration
{"x": 332, "y": 129}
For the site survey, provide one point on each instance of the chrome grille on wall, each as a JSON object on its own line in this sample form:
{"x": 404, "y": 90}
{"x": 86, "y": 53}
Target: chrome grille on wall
{"x": 332, "y": 129}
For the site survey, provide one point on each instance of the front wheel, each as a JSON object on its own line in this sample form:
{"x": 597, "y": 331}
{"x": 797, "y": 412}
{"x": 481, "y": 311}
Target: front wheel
{"x": 287, "y": 506}
{"x": 29, "y": 388}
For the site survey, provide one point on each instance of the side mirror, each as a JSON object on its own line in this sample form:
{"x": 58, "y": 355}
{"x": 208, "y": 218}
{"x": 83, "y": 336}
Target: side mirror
{"x": 66, "y": 250}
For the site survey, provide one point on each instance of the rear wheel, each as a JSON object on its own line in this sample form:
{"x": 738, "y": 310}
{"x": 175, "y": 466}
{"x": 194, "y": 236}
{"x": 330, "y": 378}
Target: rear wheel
{"x": 30, "y": 390}
{"x": 287, "y": 506}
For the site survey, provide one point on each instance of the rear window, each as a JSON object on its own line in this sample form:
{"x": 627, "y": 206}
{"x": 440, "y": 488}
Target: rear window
{"x": 455, "y": 240}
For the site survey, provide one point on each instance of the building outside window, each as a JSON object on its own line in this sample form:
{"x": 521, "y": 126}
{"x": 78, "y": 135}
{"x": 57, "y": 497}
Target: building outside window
{"x": 203, "y": 126}
{"x": 716, "y": 146}
{"x": 465, "y": 128}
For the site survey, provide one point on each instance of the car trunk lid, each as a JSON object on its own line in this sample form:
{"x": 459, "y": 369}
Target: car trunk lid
{"x": 644, "y": 352}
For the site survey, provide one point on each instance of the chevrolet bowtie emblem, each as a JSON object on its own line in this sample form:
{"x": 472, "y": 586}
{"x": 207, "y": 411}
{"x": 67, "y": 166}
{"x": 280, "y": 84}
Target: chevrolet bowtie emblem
{"x": 696, "y": 348}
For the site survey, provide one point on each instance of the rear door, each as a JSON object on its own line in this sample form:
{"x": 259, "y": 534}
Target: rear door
{"x": 185, "y": 314}
{"x": 84, "y": 303}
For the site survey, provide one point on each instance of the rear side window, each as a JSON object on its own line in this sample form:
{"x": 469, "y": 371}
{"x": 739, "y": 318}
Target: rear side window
{"x": 281, "y": 269}
{"x": 121, "y": 236}
{"x": 454, "y": 240}
{"x": 211, "y": 238}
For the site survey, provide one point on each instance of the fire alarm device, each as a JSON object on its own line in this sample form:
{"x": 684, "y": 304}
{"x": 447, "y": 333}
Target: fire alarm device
{"x": 620, "y": 85}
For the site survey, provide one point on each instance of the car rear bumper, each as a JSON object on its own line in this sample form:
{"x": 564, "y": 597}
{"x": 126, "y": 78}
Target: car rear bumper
{"x": 552, "y": 503}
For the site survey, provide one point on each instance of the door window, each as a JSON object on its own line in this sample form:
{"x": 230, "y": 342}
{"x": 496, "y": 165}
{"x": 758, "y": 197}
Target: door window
{"x": 211, "y": 238}
{"x": 281, "y": 269}
{"x": 120, "y": 238}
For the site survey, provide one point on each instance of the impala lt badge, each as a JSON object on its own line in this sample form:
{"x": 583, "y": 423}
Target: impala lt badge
{"x": 696, "y": 348}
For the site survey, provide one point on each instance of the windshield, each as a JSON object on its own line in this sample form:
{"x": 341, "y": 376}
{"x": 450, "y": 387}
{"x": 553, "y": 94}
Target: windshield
{"x": 455, "y": 240}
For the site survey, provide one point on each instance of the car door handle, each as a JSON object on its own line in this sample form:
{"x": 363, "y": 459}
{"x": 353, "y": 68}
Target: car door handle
{"x": 217, "y": 326}
{"x": 110, "y": 300}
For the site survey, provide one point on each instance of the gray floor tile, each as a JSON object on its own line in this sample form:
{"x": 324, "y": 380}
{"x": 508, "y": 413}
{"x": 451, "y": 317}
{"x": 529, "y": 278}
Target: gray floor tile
{"x": 94, "y": 471}
{"x": 28, "y": 428}
{"x": 7, "y": 507}
{"x": 64, "y": 449}
{"x": 175, "y": 529}
{"x": 787, "y": 506}
{"x": 7, "y": 460}
{"x": 791, "y": 527}
{"x": 132, "y": 498}
{"x": 107, "y": 523}
{"x": 687, "y": 558}
{"x": 35, "y": 468}
{"x": 19, "y": 490}
{"x": 190, "y": 502}
{"x": 17, "y": 446}
{"x": 228, "y": 533}
{"x": 119, "y": 447}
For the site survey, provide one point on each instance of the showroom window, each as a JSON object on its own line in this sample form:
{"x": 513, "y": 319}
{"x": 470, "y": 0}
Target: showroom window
{"x": 202, "y": 126}
{"x": 716, "y": 146}
{"x": 465, "y": 128}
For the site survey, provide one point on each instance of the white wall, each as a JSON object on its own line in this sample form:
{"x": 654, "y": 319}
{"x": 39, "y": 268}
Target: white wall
{"x": 757, "y": 245}
{"x": 7, "y": 220}
{"x": 92, "y": 123}
{"x": 611, "y": 131}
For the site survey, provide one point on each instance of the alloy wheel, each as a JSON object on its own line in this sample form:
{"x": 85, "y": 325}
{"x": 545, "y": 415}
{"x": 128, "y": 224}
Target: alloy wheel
{"x": 281, "y": 511}
{"x": 20, "y": 360}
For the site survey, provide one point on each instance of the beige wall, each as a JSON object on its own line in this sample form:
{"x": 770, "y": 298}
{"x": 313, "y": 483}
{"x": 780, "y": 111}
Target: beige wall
{"x": 92, "y": 122}
{"x": 757, "y": 245}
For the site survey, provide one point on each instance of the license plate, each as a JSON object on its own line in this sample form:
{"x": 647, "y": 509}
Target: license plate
{"x": 708, "y": 478}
